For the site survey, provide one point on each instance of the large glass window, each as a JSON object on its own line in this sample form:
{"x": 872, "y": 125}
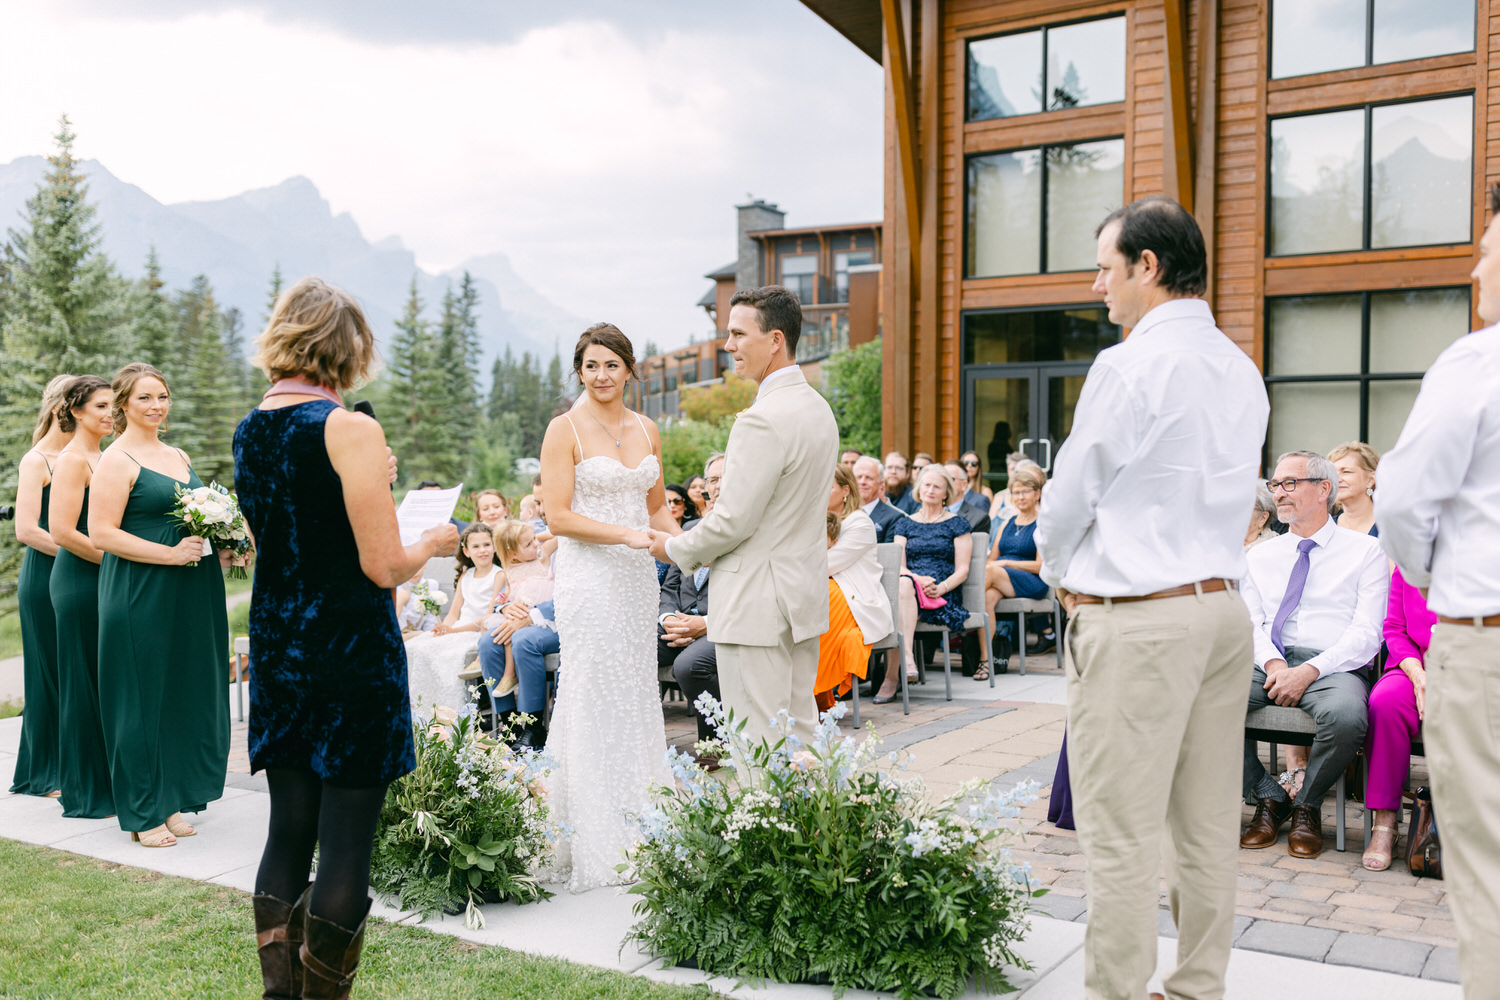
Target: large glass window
{"x": 1317, "y": 36}
{"x": 1374, "y": 177}
{"x": 1047, "y": 69}
{"x": 1347, "y": 367}
{"x": 1035, "y": 210}
{"x": 799, "y": 274}
{"x": 841, "y": 264}
{"x": 1049, "y": 335}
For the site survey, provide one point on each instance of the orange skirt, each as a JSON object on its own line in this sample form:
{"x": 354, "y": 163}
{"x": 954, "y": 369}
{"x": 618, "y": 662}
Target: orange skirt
{"x": 843, "y": 653}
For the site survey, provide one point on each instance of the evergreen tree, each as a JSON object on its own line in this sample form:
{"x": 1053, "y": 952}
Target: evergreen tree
{"x": 151, "y": 317}
{"x": 554, "y": 396}
{"x": 275, "y": 292}
{"x": 458, "y": 360}
{"x": 419, "y": 398}
{"x": 242, "y": 380}
{"x": 204, "y": 393}
{"x": 527, "y": 404}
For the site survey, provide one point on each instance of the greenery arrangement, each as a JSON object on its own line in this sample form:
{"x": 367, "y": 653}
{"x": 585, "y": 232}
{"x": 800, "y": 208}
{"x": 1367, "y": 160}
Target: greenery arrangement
{"x": 852, "y": 385}
{"x": 812, "y": 863}
{"x": 469, "y": 825}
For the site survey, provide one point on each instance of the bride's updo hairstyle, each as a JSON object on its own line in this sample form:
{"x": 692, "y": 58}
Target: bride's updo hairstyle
{"x": 609, "y": 337}
{"x": 318, "y": 333}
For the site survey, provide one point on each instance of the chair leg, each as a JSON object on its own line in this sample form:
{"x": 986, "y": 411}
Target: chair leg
{"x": 1057, "y": 624}
{"x": 901, "y": 666}
{"x": 1369, "y": 816}
{"x": 854, "y": 696}
{"x": 1338, "y": 812}
{"x": 1021, "y": 639}
{"x": 989, "y": 649}
{"x": 947, "y": 668}
{"x": 1273, "y": 769}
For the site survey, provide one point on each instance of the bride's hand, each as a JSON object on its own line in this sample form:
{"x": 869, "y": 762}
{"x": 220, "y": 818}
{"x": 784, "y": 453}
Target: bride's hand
{"x": 638, "y": 539}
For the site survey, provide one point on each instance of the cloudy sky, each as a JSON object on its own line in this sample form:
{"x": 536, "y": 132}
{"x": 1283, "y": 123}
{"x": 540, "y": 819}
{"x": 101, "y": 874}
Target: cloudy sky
{"x": 602, "y": 144}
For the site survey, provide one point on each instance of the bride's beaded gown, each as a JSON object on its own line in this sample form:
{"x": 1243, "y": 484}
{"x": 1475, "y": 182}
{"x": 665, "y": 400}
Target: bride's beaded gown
{"x": 607, "y": 735}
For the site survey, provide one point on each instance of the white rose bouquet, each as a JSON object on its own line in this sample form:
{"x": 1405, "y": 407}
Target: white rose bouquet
{"x": 212, "y": 513}
{"x": 426, "y": 593}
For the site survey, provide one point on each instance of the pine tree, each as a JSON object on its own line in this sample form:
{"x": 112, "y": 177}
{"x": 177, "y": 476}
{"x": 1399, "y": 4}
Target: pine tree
{"x": 418, "y": 398}
{"x": 527, "y": 405}
{"x": 275, "y": 292}
{"x": 554, "y": 399}
{"x": 204, "y": 398}
{"x": 150, "y": 316}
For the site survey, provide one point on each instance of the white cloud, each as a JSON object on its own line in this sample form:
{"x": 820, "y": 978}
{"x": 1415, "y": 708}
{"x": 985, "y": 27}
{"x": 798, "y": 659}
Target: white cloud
{"x": 605, "y": 162}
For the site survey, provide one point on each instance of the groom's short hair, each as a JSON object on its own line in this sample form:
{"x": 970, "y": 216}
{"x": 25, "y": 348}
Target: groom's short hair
{"x": 776, "y": 308}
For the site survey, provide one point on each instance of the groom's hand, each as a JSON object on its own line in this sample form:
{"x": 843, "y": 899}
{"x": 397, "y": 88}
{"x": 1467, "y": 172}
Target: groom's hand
{"x": 659, "y": 545}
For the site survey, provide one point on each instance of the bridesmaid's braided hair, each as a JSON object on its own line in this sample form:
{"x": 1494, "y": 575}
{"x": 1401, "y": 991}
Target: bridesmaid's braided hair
{"x": 75, "y": 396}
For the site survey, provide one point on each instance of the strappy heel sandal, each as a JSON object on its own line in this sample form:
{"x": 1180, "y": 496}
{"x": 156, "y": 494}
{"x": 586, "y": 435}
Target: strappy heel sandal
{"x": 1382, "y": 860}
{"x": 158, "y": 836}
{"x": 179, "y": 826}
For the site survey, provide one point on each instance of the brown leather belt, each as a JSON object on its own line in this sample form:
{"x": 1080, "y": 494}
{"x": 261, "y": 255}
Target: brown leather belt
{"x": 1207, "y": 586}
{"x": 1489, "y": 621}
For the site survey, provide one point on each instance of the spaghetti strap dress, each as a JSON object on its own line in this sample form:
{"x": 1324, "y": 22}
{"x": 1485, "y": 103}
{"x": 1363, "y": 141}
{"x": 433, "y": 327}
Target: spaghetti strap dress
{"x": 85, "y": 785}
{"x": 164, "y": 699}
{"x": 38, "y": 759}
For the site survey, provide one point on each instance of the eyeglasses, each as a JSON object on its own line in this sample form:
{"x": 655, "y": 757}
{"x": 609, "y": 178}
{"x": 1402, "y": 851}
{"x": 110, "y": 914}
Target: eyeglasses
{"x": 972, "y": 463}
{"x": 675, "y": 501}
{"x": 1290, "y": 485}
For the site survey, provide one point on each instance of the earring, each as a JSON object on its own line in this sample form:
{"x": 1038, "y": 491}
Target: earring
{"x": 1369, "y": 491}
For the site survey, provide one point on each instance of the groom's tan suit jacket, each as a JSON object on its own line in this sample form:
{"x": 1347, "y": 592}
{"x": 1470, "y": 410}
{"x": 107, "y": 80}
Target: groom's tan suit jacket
{"x": 766, "y": 537}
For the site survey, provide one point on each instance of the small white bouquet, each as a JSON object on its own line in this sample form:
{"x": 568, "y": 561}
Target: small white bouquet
{"x": 426, "y": 593}
{"x": 212, "y": 513}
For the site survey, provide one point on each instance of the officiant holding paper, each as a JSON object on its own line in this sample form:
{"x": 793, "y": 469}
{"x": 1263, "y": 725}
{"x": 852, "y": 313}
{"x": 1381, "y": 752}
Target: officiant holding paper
{"x": 320, "y": 612}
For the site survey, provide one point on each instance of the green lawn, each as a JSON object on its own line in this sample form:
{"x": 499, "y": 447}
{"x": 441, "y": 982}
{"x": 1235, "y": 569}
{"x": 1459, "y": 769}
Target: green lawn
{"x": 72, "y": 926}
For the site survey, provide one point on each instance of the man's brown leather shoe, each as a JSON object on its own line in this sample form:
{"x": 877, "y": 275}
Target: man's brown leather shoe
{"x": 1305, "y": 840}
{"x": 1265, "y": 825}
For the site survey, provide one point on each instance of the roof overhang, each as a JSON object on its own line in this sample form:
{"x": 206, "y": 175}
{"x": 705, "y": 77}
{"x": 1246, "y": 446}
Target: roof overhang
{"x": 856, "y": 20}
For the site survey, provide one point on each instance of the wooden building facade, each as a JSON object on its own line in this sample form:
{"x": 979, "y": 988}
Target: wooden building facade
{"x": 1334, "y": 152}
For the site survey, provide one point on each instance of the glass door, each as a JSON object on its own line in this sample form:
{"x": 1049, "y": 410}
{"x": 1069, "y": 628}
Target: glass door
{"x": 1019, "y": 408}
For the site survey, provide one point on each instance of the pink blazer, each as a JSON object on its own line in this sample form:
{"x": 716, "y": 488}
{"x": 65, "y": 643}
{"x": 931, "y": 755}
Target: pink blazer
{"x": 1408, "y": 623}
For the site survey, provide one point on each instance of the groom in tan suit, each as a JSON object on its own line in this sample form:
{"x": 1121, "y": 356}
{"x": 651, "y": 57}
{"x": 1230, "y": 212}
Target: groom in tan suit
{"x": 767, "y": 536}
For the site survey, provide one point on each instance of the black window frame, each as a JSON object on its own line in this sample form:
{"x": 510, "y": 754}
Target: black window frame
{"x": 1368, "y": 171}
{"x": 1364, "y": 376}
{"x": 1042, "y": 257}
{"x": 1369, "y": 44}
{"x": 1046, "y": 95}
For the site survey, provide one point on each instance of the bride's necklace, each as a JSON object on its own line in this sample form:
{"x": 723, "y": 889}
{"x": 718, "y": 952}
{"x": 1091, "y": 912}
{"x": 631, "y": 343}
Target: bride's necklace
{"x": 617, "y": 436}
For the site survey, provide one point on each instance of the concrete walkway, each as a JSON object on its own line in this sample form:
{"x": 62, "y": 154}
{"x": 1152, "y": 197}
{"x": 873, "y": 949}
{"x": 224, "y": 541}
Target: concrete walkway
{"x": 591, "y": 927}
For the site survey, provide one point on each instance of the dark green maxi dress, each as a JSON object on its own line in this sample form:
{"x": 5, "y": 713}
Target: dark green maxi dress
{"x": 163, "y": 688}
{"x": 85, "y": 762}
{"x": 38, "y": 764}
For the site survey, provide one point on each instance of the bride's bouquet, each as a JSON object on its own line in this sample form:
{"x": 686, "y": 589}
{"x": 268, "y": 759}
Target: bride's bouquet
{"x": 212, "y": 513}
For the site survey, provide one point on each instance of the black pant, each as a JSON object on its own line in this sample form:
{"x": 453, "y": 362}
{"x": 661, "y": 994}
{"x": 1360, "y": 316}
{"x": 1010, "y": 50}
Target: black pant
{"x": 696, "y": 670}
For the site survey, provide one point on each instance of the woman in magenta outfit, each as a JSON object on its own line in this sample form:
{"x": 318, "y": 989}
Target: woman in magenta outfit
{"x": 1396, "y": 709}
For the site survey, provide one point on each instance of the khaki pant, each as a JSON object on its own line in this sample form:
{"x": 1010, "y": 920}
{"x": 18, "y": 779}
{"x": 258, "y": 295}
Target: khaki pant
{"x": 1156, "y": 719}
{"x": 759, "y": 681}
{"x": 1461, "y": 732}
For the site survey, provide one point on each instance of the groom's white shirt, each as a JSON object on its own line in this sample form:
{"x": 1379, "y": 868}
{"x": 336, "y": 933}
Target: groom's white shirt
{"x": 767, "y": 535}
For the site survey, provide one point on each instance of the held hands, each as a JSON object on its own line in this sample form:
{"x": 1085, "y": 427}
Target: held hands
{"x": 681, "y": 630}
{"x": 658, "y": 545}
{"x": 637, "y": 539}
{"x": 441, "y": 540}
{"x": 1285, "y": 685}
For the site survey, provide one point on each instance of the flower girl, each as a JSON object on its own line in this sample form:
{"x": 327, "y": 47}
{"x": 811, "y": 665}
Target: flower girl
{"x": 434, "y": 659}
{"x": 527, "y": 577}
{"x": 417, "y": 602}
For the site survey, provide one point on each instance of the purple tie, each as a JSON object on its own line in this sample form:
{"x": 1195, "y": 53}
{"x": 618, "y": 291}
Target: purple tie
{"x": 1293, "y": 596}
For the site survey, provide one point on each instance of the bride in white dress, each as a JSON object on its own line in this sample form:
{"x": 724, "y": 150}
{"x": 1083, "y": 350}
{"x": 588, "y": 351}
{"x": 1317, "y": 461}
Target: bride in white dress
{"x": 602, "y": 487}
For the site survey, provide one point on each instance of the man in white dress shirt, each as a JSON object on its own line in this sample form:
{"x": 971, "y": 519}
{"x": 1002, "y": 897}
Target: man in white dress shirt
{"x": 1317, "y": 598}
{"x": 1438, "y": 508}
{"x": 1143, "y": 532}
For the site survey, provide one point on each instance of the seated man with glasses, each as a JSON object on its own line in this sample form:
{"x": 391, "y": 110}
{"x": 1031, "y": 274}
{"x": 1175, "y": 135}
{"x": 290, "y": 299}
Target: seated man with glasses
{"x": 1317, "y": 599}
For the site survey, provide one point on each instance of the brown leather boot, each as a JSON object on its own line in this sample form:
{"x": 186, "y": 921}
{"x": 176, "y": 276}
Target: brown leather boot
{"x": 278, "y": 940}
{"x": 1265, "y": 825}
{"x": 330, "y": 956}
{"x": 1305, "y": 840}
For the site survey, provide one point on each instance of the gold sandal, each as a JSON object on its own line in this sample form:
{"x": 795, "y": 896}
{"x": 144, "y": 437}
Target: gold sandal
{"x": 1383, "y": 860}
{"x": 158, "y": 836}
{"x": 179, "y": 826}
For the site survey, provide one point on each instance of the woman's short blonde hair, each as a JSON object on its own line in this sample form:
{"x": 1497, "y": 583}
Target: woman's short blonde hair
{"x": 1028, "y": 473}
{"x": 317, "y": 332}
{"x": 937, "y": 470}
{"x": 1367, "y": 457}
{"x": 843, "y": 477}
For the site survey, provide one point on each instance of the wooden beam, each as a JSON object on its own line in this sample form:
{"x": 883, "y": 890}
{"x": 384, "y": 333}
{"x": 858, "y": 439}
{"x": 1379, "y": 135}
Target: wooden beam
{"x": 1177, "y": 94}
{"x": 898, "y": 77}
{"x": 1206, "y": 141}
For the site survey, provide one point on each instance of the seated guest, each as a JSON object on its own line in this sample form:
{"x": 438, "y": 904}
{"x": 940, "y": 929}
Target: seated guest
{"x": 1397, "y": 705}
{"x": 1356, "y": 462}
{"x": 849, "y": 456}
{"x": 526, "y": 575}
{"x": 966, "y": 490}
{"x": 975, "y": 470}
{"x": 1263, "y": 521}
{"x": 682, "y": 620}
{"x": 898, "y": 483}
{"x": 1013, "y": 564}
{"x": 697, "y": 491}
{"x": 1002, "y": 507}
{"x": 491, "y": 507}
{"x": 868, "y": 478}
{"x": 680, "y": 506}
{"x": 935, "y": 558}
{"x": 859, "y": 614}
{"x": 711, "y": 483}
{"x": 411, "y": 615}
{"x": 531, "y": 636}
{"x": 978, "y": 515}
{"x": 919, "y": 462}
{"x": 1317, "y": 597}
{"x": 435, "y": 658}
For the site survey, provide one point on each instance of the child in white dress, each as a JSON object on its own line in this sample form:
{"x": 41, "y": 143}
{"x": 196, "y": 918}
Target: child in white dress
{"x": 434, "y": 659}
{"x": 527, "y": 573}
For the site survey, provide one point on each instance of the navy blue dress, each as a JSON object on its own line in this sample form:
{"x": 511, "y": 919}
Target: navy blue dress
{"x": 1018, "y": 541}
{"x": 929, "y": 552}
{"x": 327, "y": 667}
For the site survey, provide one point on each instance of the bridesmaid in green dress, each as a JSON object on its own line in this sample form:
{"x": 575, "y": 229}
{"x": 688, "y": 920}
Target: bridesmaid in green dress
{"x": 75, "y": 600}
{"x": 38, "y": 763}
{"x": 163, "y": 629}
